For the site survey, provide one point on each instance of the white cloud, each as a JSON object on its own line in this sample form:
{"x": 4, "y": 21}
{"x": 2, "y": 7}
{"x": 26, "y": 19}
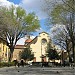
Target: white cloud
{"x": 34, "y": 6}
{"x": 21, "y": 41}
{"x": 6, "y": 3}
{"x": 29, "y": 6}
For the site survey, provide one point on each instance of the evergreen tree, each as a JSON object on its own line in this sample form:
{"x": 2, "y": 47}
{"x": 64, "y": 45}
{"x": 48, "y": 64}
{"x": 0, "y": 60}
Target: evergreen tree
{"x": 27, "y": 54}
{"x": 51, "y": 52}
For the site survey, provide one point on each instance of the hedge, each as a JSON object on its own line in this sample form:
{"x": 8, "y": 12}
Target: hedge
{"x": 6, "y": 64}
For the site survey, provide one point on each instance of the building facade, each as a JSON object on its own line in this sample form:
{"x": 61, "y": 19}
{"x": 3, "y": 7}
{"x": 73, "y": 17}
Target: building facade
{"x": 4, "y": 51}
{"x": 38, "y": 46}
{"x": 16, "y": 54}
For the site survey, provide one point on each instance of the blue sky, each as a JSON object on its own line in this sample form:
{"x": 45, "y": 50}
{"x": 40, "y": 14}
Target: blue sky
{"x": 15, "y": 1}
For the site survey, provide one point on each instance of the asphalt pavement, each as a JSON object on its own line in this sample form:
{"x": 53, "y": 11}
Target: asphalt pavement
{"x": 37, "y": 70}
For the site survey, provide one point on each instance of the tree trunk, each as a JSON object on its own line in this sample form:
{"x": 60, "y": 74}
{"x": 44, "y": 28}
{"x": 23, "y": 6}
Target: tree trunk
{"x": 73, "y": 53}
{"x": 11, "y": 54}
{"x": 10, "y": 57}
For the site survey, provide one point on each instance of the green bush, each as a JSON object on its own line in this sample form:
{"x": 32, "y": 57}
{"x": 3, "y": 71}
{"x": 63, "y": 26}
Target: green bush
{"x": 6, "y": 64}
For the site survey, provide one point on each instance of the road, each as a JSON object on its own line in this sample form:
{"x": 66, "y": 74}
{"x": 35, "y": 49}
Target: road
{"x": 37, "y": 71}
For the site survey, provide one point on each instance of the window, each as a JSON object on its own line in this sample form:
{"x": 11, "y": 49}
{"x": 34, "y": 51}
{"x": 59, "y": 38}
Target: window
{"x": 0, "y": 49}
{"x": 3, "y": 47}
{"x": 44, "y": 41}
{"x": 6, "y": 52}
{"x": 43, "y": 34}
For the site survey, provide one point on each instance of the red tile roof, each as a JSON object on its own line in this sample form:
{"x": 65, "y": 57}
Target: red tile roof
{"x": 19, "y": 46}
{"x": 28, "y": 40}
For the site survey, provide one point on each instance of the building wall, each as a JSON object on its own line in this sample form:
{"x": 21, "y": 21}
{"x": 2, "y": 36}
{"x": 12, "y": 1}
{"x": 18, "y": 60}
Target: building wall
{"x": 39, "y": 48}
{"x": 4, "y": 52}
{"x": 16, "y": 53}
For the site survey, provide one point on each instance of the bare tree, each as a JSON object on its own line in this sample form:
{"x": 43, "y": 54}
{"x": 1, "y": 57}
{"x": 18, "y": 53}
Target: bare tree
{"x": 63, "y": 13}
{"x": 62, "y": 39}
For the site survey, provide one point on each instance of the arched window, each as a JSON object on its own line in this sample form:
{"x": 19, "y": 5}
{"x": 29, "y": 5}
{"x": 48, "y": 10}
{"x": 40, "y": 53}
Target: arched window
{"x": 44, "y": 41}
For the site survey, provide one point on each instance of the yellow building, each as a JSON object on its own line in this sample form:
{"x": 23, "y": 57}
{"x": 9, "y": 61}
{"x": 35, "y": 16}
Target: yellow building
{"x": 18, "y": 49}
{"x": 38, "y": 46}
{"x": 4, "y": 51}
